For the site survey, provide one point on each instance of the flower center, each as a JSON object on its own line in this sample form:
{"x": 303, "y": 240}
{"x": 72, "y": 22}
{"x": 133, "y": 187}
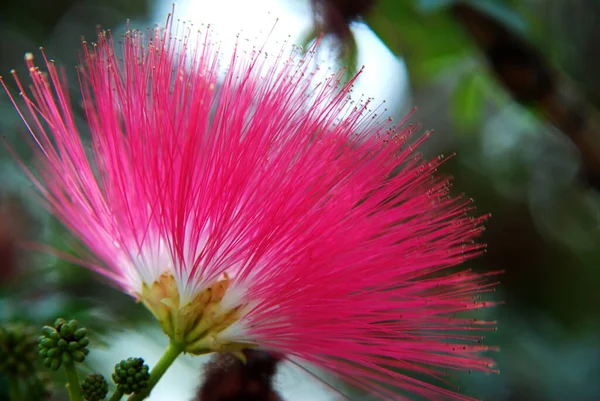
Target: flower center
{"x": 197, "y": 324}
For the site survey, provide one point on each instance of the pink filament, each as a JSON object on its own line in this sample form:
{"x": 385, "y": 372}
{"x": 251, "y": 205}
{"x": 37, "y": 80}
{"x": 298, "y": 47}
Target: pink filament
{"x": 284, "y": 180}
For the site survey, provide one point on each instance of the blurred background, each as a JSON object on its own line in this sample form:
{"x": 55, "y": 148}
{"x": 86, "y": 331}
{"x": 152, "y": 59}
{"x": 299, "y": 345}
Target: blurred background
{"x": 511, "y": 86}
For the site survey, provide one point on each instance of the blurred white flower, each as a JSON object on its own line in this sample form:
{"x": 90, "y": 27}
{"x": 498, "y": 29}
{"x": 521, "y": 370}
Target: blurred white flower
{"x": 185, "y": 376}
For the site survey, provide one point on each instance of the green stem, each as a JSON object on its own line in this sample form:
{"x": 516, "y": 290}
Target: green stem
{"x": 116, "y": 396}
{"x": 14, "y": 390}
{"x": 73, "y": 382}
{"x": 165, "y": 361}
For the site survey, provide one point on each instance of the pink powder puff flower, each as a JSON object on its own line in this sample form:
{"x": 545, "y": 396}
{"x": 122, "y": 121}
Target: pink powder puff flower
{"x": 258, "y": 207}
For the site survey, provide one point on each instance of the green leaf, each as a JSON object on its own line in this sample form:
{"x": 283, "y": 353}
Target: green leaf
{"x": 435, "y": 66}
{"x": 308, "y": 38}
{"x": 468, "y": 101}
{"x": 350, "y": 58}
{"x": 421, "y": 37}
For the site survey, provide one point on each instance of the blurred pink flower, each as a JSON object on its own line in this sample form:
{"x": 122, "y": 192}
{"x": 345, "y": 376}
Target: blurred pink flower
{"x": 262, "y": 210}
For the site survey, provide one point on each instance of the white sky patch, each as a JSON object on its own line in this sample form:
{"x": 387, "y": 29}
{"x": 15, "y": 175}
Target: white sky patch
{"x": 183, "y": 378}
{"x": 179, "y": 383}
{"x": 385, "y": 76}
{"x": 296, "y": 384}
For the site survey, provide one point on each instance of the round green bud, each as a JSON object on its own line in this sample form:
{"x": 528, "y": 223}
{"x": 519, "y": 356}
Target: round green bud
{"x": 47, "y": 331}
{"x": 54, "y": 364}
{"x": 131, "y": 375}
{"x": 65, "y": 330}
{"x": 79, "y": 356}
{"x": 53, "y": 352}
{"x": 80, "y": 333}
{"x": 62, "y": 344}
{"x": 94, "y": 387}
{"x": 66, "y": 357}
{"x": 48, "y": 342}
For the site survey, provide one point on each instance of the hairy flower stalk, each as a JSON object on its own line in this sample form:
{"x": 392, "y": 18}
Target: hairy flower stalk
{"x": 255, "y": 207}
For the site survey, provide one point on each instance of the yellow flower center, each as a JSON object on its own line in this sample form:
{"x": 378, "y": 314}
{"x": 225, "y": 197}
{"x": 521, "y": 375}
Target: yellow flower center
{"x": 196, "y": 325}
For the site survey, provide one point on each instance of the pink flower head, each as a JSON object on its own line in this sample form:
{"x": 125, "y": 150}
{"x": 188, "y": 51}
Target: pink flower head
{"x": 259, "y": 207}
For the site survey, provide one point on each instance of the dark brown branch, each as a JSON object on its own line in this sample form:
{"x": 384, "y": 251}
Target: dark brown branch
{"x": 335, "y": 16}
{"x": 227, "y": 378}
{"x": 528, "y": 77}
{"x": 14, "y": 224}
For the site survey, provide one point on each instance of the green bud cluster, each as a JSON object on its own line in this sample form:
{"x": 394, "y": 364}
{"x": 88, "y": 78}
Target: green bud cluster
{"x": 131, "y": 375}
{"x": 17, "y": 350}
{"x": 63, "y": 343}
{"x": 94, "y": 387}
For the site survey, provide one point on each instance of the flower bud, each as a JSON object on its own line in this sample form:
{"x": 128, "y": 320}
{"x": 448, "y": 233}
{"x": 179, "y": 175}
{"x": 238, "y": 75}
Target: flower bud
{"x": 94, "y": 387}
{"x": 63, "y": 343}
{"x": 131, "y": 375}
